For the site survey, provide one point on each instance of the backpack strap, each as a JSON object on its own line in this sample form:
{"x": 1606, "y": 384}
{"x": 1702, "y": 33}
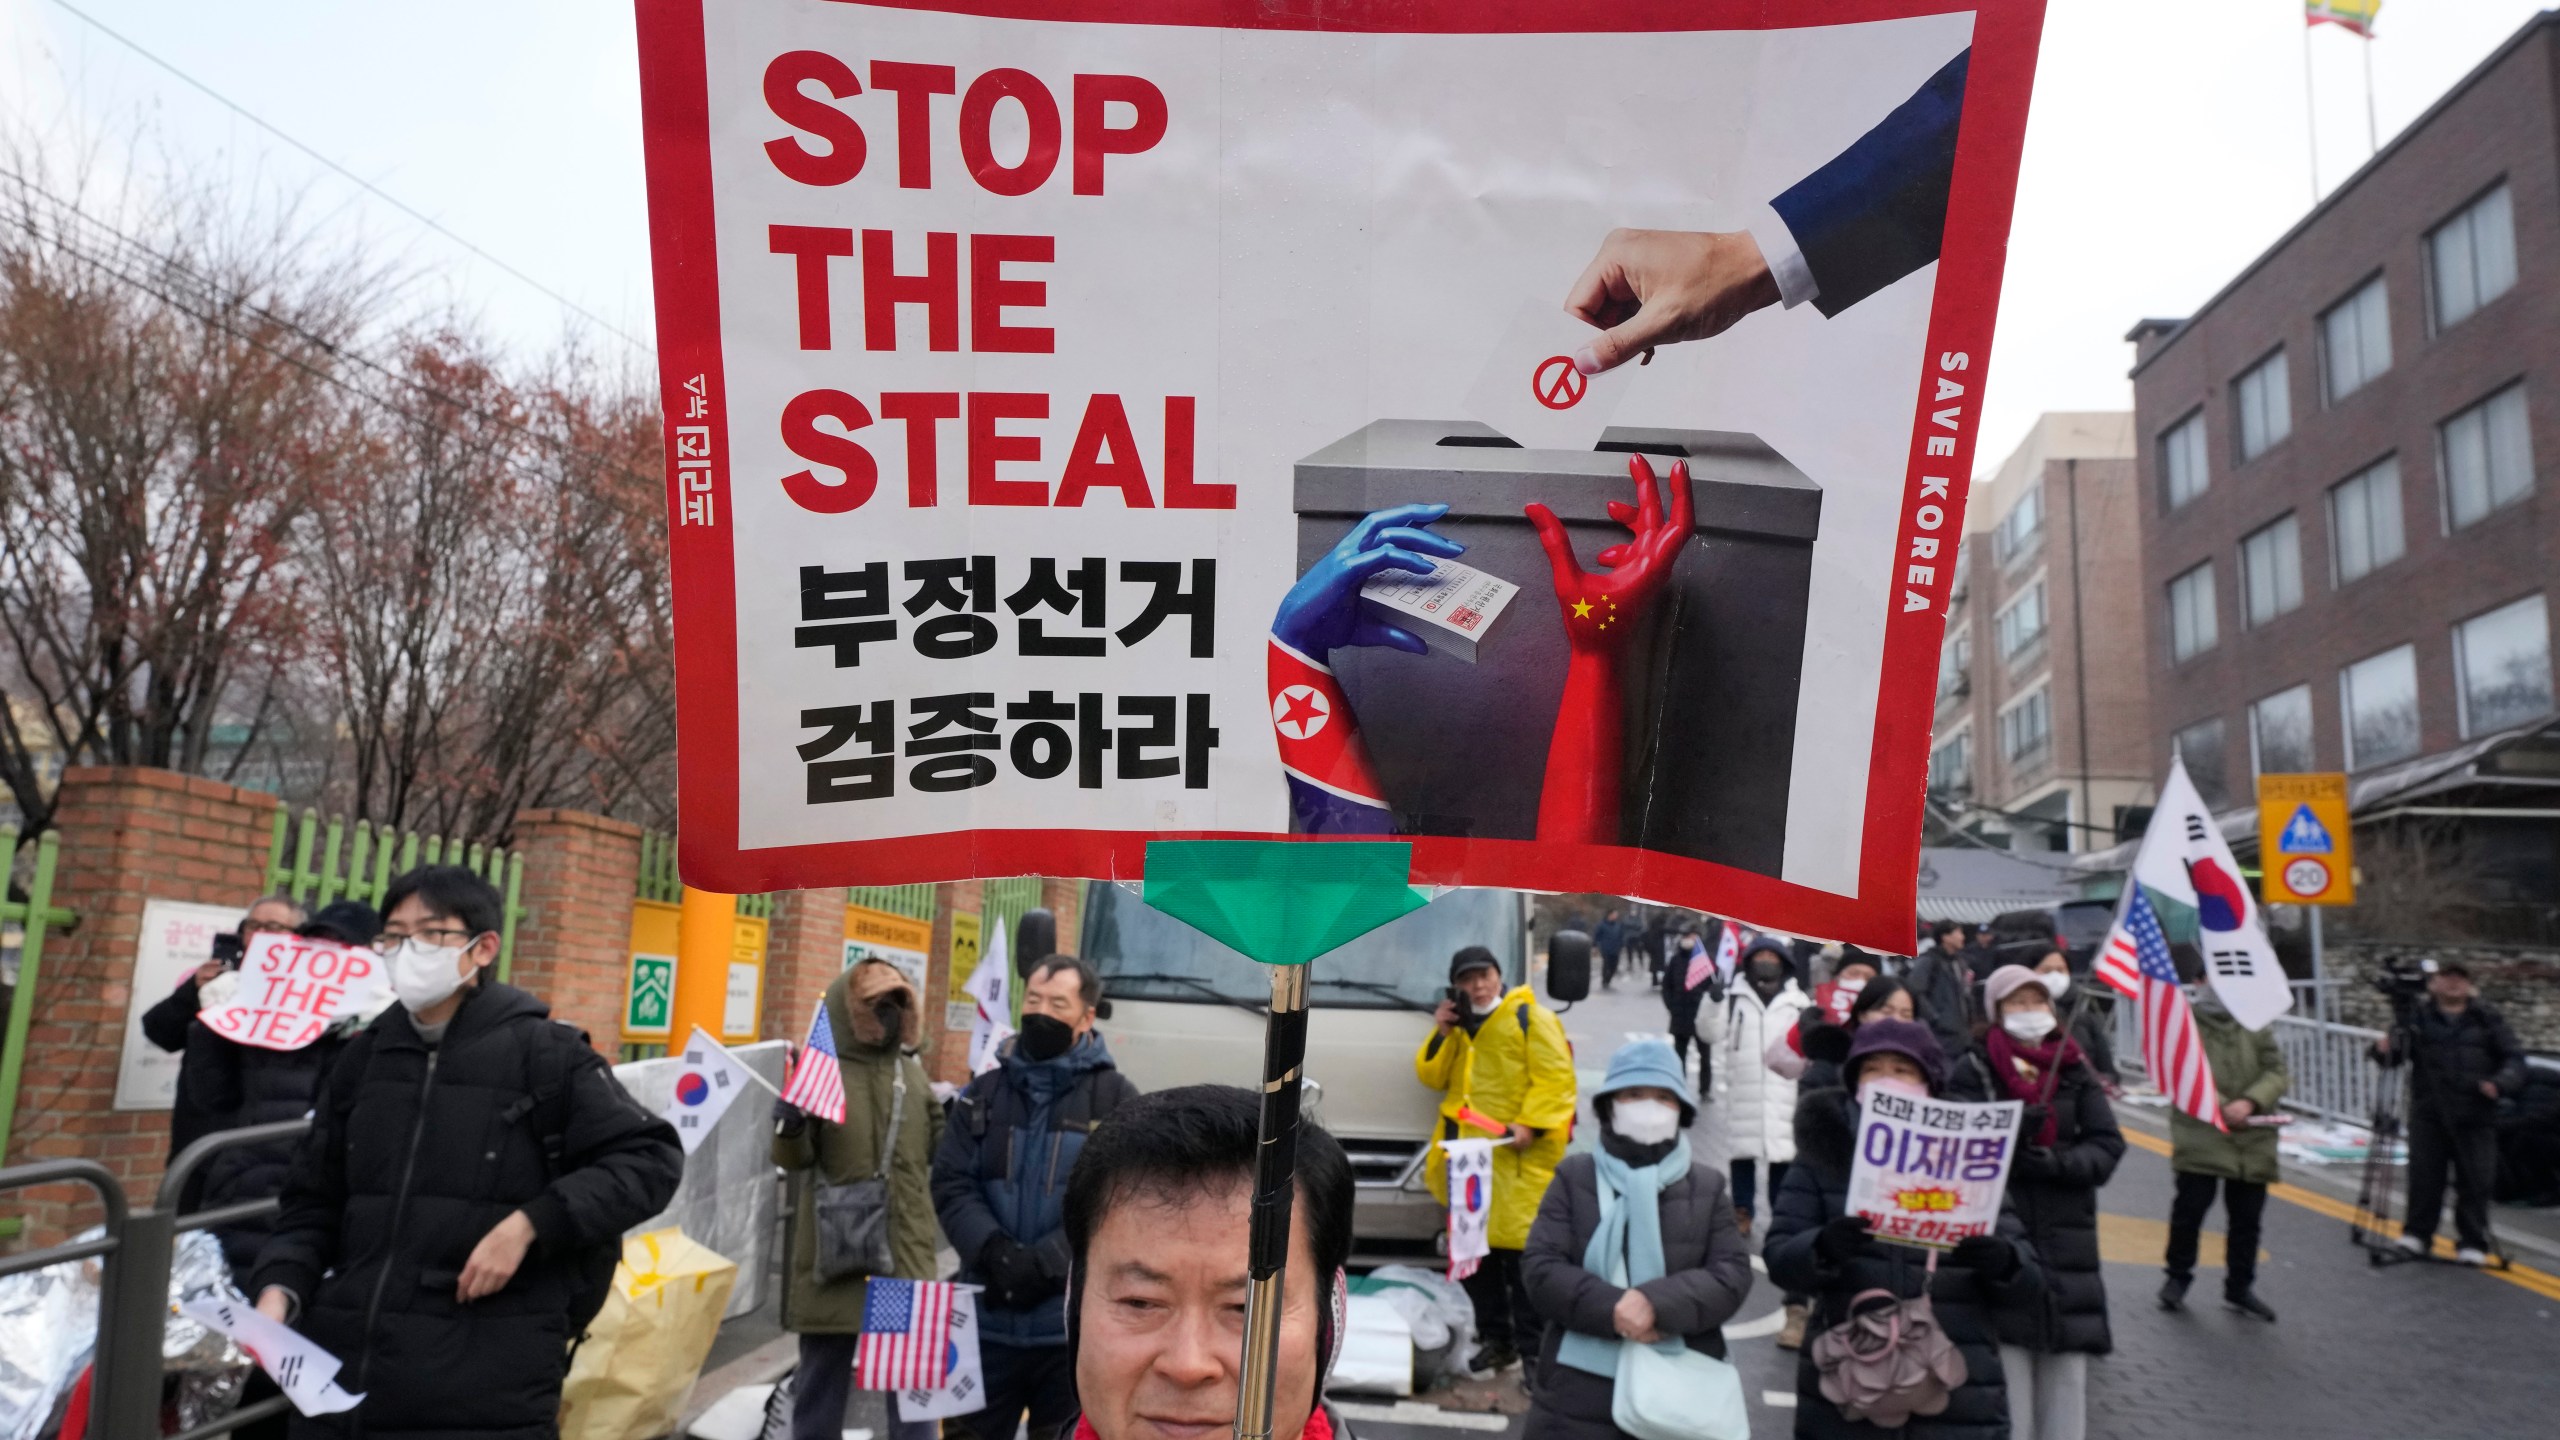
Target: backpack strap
{"x": 547, "y": 1082}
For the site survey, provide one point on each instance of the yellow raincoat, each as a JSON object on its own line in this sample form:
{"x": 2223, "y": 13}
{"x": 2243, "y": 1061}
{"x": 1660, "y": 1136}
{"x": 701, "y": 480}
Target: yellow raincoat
{"x": 1516, "y": 1068}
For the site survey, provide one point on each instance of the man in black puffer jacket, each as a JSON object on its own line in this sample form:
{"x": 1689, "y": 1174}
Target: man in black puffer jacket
{"x": 1816, "y": 1246}
{"x": 243, "y": 1085}
{"x": 453, "y": 1219}
{"x": 2463, "y": 1058}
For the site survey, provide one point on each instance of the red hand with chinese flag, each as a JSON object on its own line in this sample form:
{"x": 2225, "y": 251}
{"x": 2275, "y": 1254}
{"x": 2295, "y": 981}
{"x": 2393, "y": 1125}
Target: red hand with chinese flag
{"x": 1585, "y": 760}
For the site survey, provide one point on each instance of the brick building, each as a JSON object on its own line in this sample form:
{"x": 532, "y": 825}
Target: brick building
{"x": 2350, "y": 535}
{"x": 2042, "y": 738}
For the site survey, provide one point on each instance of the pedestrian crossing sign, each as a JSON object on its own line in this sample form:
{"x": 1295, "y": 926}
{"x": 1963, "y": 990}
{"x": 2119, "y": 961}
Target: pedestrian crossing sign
{"x": 2304, "y": 834}
{"x": 2306, "y": 842}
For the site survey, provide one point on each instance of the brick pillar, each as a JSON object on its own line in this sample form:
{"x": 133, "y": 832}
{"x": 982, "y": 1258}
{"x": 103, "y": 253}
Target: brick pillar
{"x": 804, "y": 952}
{"x": 1065, "y": 899}
{"x": 573, "y": 948}
{"x": 946, "y": 1051}
{"x": 129, "y": 835}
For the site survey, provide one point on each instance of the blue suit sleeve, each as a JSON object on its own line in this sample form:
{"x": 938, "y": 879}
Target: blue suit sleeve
{"x": 1878, "y": 210}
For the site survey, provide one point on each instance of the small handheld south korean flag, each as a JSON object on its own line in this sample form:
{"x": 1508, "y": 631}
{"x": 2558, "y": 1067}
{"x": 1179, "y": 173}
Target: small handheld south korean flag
{"x": 709, "y": 1080}
{"x": 1470, "y": 1204}
{"x": 989, "y": 986}
{"x": 964, "y": 1384}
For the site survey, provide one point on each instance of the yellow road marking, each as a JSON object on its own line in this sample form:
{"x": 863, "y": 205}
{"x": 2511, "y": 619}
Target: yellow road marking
{"x": 2540, "y": 1282}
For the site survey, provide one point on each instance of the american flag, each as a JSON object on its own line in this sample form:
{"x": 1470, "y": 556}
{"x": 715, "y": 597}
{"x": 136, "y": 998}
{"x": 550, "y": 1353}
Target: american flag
{"x": 817, "y": 1082}
{"x": 2117, "y": 966}
{"x": 2171, "y": 1049}
{"x": 906, "y": 1335}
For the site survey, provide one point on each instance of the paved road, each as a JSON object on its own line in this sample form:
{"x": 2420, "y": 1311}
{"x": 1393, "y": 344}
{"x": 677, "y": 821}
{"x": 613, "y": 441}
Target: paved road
{"x": 2412, "y": 1350}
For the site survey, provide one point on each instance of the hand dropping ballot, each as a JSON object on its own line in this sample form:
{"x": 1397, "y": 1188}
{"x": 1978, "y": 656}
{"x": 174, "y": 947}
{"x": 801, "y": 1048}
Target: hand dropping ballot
{"x": 1451, "y": 609}
{"x": 1931, "y": 1172}
{"x": 290, "y": 990}
{"x": 1531, "y": 391}
{"x": 307, "y": 1374}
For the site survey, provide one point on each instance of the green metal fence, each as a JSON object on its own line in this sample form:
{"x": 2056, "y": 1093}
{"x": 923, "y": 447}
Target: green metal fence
{"x": 658, "y": 880}
{"x": 23, "y": 927}
{"x": 318, "y": 861}
{"x": 913, "y": 901}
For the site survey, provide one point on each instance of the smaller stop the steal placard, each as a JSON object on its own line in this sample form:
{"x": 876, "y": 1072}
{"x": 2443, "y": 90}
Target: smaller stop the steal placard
{"x": 292, "y": 990}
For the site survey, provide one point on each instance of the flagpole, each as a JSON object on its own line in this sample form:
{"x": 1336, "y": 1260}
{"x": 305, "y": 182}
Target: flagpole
{"x": 2372, "y": 126}
{"x": 2310, "y": 114}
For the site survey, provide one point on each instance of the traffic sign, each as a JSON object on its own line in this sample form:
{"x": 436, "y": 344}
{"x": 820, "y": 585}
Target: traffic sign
{"x": 2306, "y": 843}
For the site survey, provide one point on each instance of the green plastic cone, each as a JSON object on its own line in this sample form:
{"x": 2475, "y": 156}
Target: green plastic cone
{"x": 1282, "y": 902}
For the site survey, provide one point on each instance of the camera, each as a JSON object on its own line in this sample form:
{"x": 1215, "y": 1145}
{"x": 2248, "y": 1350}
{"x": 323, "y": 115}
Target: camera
{"x": 2403, "y": 982}
{"x": 228, "y": 948}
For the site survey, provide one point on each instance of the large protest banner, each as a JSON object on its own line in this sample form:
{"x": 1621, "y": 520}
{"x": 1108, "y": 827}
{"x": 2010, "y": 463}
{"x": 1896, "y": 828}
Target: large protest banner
{"x": 1094, "y": 421}
{"x": 1931, "y": 1172}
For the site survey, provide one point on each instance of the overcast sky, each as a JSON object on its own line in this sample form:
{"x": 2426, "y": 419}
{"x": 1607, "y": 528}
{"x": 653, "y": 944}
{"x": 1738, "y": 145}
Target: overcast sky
{"x": 2168, "y": 146}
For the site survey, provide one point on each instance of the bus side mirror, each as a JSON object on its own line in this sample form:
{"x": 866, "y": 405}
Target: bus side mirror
{"x": 1035, "y": 938}
{"x": 1569, "y": 966}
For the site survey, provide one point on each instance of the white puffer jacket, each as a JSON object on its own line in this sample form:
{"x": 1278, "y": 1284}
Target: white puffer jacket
{"x": 1757, "y": 1105}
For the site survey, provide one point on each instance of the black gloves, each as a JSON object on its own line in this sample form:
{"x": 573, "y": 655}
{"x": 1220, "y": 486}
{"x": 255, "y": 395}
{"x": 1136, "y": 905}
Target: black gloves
{"x": 1014, "y": 1278}
{"x": 789, "y": 1119}
{"x": 1842, "y": 1240}
{"x": 1987, "y": 1256}
{"x": 2031, "y": 1123}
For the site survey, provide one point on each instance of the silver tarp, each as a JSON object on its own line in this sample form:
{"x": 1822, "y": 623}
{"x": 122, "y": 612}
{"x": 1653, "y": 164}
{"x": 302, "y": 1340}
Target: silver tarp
{"x": 49, "y": 1328}
{"x": 728, "y": 1199}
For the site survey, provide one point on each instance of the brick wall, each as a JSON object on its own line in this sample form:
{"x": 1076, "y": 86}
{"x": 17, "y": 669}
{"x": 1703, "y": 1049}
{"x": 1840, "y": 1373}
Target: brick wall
{"x": 128, "y": 835}
{"x": 804, "y": 950}
{"x": 946, "y": 1052}
{"x": 2524, "y": 984}
{"x": 581, "y": 873}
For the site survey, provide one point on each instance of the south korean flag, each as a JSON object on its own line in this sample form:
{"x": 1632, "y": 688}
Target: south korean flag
{"x": 964, "y": 1385}
{"x": 708, "y": 1081}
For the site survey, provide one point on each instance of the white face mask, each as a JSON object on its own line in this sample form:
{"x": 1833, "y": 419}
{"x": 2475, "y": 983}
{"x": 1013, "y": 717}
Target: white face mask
{"x": 2057, "y": 984}
{"x": 1646, "y": 1122}
{"x": 423, "y": 975}
{"x": 2028, "y": 1025}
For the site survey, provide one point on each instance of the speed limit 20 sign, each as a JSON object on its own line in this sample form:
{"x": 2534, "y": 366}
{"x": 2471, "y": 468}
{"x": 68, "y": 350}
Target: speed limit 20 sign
{"x": 2306, "y": 845}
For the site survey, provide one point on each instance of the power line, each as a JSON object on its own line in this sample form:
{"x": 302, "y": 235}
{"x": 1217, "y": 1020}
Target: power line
{"x": 377, "y": 191}
{"x": 323, "y": 343}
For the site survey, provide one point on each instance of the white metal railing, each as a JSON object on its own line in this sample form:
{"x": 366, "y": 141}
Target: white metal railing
{"x": 2334, "y": 1076}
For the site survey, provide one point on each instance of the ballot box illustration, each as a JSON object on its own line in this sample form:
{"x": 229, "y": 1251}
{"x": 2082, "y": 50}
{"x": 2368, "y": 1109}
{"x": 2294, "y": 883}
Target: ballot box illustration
{"x": 1712, "y": 676}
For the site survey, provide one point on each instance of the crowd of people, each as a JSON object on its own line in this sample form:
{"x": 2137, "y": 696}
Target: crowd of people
{"x": 450, "y": 1221}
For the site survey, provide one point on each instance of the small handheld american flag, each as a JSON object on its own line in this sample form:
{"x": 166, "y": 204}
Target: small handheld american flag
{"x": 817, "y": 1081}
{"x": 906, "y": 1334}
{"x": 2172, "y": 1050}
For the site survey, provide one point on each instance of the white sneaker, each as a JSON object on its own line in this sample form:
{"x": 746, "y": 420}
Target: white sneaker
{"x": 2471, "y": 1257}
{"x": 2412, "y": 1244}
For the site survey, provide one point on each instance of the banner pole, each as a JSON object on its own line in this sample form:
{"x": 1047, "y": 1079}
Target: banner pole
{"x": 1284, "y": 1051}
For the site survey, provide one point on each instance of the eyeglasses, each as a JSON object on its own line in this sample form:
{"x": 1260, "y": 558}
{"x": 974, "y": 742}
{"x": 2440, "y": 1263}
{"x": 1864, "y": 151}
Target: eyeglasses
{"x": 252, "y": 928}
{"x": 447, "y": 939}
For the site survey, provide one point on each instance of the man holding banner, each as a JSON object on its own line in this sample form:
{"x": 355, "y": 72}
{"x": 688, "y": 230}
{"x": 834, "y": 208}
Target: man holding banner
{"x": 1504, "y": 1073}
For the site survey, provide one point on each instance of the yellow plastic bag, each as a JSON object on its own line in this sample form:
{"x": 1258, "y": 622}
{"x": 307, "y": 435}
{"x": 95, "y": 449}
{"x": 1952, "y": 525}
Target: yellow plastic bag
{"x": 646, "y": 1347}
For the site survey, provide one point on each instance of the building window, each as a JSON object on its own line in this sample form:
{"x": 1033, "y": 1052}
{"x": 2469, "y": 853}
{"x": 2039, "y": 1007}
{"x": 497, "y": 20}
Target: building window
{"x": 2026, "y": 727}
{"x": 2264, "y": 405}
{"x": 1955, "y": 663}
{"x": 2364, "y": 521}
{"x": 2355, "y": 340}
{"x": 2022, "y": 527}
{"x": 2487, "y": 457}
{"x": 2280, "y": 732}
{"x": 2200, "y": 746}
{"x": 1951, "y": 765}
{"x": 2503, "y": 660}
{"x": 2471, "y": 258}
{"x": 2271, "y": 571}
{"x": 2020, "y": 623}
{"x": 2192, "y": 626}
{"x": 2379, "y": 696}
{"x": 2183, "y": 475}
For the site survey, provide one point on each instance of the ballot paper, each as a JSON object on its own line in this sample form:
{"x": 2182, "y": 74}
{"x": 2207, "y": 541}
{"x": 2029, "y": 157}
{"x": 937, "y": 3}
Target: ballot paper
{"x": 1452, "y": 609}
{"x": 1532, "y": 392}
{"x": 307, "y": 1374}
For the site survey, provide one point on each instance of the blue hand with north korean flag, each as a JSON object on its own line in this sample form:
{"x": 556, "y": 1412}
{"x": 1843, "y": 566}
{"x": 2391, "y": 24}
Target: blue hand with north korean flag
{"x": 1333, "y": 788}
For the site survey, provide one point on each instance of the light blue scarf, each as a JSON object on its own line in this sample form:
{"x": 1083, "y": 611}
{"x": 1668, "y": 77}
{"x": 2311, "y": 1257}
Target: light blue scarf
{"x": 1626, "y": 1247}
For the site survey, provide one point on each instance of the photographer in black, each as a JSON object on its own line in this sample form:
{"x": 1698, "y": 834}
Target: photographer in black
{"x": 2462, "y": 1057}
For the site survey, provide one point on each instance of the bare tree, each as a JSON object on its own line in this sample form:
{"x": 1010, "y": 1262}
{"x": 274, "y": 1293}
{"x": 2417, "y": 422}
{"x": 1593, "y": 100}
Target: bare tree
{"x": 168, "y": 410}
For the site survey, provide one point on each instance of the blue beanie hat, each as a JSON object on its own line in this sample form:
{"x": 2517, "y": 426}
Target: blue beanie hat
{"x": 1648, "y": 1062}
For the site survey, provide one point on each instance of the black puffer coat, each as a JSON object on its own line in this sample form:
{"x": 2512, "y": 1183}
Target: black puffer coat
{"x": 2055, "y": 1192}
{"x": 2453, "y": 1054}
{"x": 241, "y": 1085}
{"x": 1706, "y": 1275}
{"x": 414, "y": 1155}
{"x": 1816, "y": 1193}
